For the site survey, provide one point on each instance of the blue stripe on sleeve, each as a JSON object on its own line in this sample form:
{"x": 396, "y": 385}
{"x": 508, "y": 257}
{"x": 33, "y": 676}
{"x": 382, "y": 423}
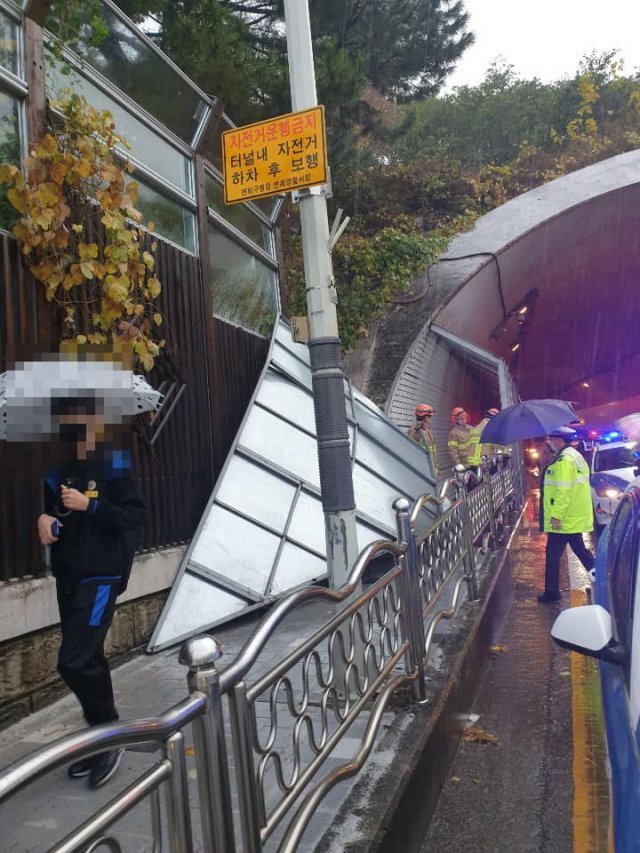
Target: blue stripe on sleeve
{"x": 99, "y": 604}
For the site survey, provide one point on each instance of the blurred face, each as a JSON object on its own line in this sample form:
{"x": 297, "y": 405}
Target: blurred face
{"x": 461, "y": 419}
{"x": 424, "y": 417}
{"x": 83, "y": 429}
{"x": 554, "y": 443}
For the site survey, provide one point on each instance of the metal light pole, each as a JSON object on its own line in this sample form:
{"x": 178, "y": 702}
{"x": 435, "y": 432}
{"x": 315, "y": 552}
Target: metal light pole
{"x": 327, "y": 374}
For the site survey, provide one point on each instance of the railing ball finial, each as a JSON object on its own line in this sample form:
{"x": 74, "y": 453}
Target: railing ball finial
{"x": 401, "y": 505}
{"x": 200, "y": 651}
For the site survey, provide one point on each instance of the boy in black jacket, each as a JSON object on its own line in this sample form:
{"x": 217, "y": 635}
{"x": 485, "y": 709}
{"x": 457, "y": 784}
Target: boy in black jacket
{"x": 92, "y": 514}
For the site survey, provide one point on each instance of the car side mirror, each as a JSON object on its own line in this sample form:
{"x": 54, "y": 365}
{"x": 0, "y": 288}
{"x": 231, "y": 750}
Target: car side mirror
{"x": 589, "y": 631}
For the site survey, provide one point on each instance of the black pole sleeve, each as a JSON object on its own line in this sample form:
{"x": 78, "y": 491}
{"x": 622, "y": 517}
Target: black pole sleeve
{"x": 327, "y": 377}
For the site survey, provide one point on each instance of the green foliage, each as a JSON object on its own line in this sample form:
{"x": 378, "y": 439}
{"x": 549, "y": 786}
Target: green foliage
{"x": 78, "y": 24}
{"x": 368, "y": 272}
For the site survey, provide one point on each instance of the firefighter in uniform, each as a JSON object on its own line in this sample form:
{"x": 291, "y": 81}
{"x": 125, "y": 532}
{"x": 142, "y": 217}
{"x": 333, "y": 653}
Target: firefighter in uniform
{"x": 480, "y": 450}
{"x": 422, "y": 435}
{"x": 566, "y": 509}
{"x": 460, "y": 439}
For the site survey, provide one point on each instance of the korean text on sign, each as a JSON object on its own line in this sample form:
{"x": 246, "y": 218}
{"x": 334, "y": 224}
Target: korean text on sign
{"x": 275, "y": 156}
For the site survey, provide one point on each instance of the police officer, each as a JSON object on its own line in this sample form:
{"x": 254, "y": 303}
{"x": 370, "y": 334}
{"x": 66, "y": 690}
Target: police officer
{"x": 566, "y": 509}
{"x": 421, "y": 433}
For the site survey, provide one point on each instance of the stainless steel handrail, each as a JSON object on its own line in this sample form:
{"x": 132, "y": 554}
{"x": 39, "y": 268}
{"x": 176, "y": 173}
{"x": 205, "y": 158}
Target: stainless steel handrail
{"x": 353, "y": 658}
{"x": 98, "y": 739}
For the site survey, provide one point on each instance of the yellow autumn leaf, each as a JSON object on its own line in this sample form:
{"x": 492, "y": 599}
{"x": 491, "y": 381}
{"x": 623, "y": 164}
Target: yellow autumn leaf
{"x": 148, "y": 260}
{"x": 155, "y": 288}
{"x": 157, "y": 319}
{"x": 81, "y": 339}
{"x": 86, "y": 267}
{"x": 17, "y": 200}
{"x": 77, "y": 228}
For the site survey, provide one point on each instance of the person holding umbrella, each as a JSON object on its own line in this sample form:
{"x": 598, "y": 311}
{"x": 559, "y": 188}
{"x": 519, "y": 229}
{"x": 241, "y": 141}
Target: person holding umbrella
{"x": 92, "y": 515}
{"x": 92, "y": 509}
{"x": 566, "y": 509}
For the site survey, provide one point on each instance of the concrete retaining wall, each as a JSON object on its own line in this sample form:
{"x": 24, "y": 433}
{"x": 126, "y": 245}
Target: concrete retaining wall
{"x": 30, "y": 632}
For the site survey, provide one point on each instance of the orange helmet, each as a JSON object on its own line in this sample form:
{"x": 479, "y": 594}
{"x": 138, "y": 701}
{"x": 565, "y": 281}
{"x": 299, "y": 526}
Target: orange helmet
{"x": 492, "y": 412}
{"x": 424, "y": 409}
{"x": 455, "y": 413}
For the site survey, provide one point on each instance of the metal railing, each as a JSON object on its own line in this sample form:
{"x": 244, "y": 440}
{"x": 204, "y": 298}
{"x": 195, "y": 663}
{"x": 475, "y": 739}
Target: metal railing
{"x": 376, "y": 641}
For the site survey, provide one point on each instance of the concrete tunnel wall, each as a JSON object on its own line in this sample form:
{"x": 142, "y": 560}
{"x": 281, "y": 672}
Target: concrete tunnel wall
{"x": 570, "y": 251}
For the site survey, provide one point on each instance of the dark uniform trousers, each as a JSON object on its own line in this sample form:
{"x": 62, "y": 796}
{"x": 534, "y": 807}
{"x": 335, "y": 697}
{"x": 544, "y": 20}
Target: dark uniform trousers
{"x": 556, "y": 543}
{"x": 86, "y": 611}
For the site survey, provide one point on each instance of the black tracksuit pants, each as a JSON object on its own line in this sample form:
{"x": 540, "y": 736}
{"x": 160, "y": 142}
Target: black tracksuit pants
{"x": 556, "y": 543}
{"x": 86, "y": 611}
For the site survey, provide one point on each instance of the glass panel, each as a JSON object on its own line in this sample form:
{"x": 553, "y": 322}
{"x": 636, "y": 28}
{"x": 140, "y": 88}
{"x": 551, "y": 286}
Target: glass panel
{"x": 256, "y": 492}
{"x": 374, "y": 498}
{"x": 146, "y": 146}
{"x": 170, "y": 219}
{"x": 131, "y": 65}
{"x": 367, "y": 534}
{"x": 392, "y": 469}
{"x": 9, "y": 152}
{"x": 197, "y": 603}
{"x": 307, "y": 524}
{"x": 296, "y": 567}
{"x": 9, "y": 55}
{"x": 282, "y": 444}
{"x": 236, "y": 549}
{"x": 243, "y": 289}
{"x": 238, "y": 215}
{"x": 284, "y": 398}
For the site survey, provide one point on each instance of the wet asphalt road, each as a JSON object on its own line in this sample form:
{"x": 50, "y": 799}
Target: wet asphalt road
{"x": 518, "y": 796}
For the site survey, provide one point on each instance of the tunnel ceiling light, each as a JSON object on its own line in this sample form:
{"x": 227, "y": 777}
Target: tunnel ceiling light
{"x": 585, "y": 385}
{"x": 523, "y": 310}
{"x": 515, "y": 346}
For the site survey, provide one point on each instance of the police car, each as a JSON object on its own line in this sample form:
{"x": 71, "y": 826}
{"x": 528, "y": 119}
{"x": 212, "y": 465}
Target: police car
{"x": 610, "y": 631}
{"x": 613, "y": 467}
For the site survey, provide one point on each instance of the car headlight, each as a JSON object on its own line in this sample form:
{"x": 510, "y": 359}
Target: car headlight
{"x": 608, "y": 492}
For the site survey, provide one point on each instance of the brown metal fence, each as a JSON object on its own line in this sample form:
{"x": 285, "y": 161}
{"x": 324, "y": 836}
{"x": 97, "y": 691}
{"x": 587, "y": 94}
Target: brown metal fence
{"x": 208, "y": 376}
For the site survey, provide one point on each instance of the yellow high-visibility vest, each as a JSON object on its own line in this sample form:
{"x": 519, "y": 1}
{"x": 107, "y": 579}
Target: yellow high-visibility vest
{"x": 566, "y": 494}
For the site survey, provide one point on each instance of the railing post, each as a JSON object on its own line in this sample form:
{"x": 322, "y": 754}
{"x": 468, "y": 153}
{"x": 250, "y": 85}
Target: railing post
{"x": 486, "y": 465}
{"x": 200, "y": 654}
{"x": 252, "y": 813}
{"x": 470, "y": 572}
{"x": 409, "y": 586}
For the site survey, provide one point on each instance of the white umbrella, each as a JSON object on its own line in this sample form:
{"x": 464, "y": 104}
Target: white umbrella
{"x": 26, "y": 395}
{"x": 630, "y": 426}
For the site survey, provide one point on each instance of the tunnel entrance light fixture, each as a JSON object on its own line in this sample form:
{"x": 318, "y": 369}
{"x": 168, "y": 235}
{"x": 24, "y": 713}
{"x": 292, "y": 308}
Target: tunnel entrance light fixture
{"x": 515, "y": 346}
{"x": 519, "y": 312}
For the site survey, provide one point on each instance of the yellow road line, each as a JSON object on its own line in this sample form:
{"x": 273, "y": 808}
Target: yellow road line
{"x": 591, "y": 812}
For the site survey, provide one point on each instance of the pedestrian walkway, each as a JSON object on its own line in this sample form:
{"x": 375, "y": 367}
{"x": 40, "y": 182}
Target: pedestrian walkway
{"x": 146, "y": 686}
{"x": 541, "y": 785}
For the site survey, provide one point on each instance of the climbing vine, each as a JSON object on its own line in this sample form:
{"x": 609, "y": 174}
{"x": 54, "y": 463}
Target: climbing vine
{"x": 106, "y": 286}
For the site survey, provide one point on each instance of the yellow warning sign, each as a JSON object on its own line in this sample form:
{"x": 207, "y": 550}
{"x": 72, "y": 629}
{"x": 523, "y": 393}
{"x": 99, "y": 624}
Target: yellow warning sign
{"x": 275, "y": 156}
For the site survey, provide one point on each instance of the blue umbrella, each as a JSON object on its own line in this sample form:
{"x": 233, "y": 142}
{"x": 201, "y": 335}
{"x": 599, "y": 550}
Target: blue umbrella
{"x": 530, "y": 419}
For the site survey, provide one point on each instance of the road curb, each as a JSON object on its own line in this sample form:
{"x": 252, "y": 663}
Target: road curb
{"x": 393, "y": 803}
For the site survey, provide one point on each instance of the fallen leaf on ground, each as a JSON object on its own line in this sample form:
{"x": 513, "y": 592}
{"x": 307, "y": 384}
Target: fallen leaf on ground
{"x": 503, "y": 650}
{"x": 475, "y": 735}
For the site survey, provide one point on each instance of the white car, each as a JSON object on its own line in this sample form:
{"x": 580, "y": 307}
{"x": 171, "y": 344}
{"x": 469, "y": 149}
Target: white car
{"x": 613, "y": 467}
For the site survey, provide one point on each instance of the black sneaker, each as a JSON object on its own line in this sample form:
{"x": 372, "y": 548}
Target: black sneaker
{"x": 547, "y": 597}
{"x": 104, "y": 766}
{"x": 81, "y": 768}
